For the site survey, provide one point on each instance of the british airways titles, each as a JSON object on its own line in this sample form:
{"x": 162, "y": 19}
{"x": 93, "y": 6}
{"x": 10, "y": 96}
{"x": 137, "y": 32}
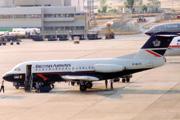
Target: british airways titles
{"x": 53, "y": 66}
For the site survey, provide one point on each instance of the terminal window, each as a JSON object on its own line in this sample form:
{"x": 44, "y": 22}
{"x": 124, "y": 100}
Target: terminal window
{"x": 59, "y": 28}
{"x": 80, "y": 28}
{"x": 69, "y": 28}
{"x": 34, "y": 16}
{"x": 48, "y": 28}
{"x": 58, "y": 15}
{"x": 6, "y": 16}
{"x": 48, "y": 15}
{"x": 20, "y": 16}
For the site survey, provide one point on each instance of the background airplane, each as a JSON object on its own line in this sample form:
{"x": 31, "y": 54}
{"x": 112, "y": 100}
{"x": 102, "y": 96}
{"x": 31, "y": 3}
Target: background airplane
{"x": 174, "y": 47}
{"x": 168, "y": 27}
{"x": 86, "y": 71}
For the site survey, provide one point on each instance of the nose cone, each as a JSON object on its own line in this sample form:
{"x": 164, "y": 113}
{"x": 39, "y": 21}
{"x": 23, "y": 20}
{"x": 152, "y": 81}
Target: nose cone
{"x": 7, "y": 77}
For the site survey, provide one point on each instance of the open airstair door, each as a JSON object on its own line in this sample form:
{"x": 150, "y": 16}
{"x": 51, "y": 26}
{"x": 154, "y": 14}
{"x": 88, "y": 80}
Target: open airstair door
{"x": 28, "y": 78}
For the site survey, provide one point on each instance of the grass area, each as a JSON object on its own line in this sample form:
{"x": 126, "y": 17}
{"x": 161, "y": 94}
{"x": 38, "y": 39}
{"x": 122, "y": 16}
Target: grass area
{"x": 118, "y": 32}
{"x": 145, "y": 15}
{"x": 108, "y": 17}
{"x": 119, "y": 16}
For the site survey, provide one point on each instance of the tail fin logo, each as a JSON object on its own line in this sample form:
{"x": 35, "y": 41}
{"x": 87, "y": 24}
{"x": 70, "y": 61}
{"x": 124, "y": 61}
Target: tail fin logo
{"x": 156, "y": 43}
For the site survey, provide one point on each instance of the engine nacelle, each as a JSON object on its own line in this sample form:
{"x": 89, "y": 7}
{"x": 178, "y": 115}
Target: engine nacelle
{"x": 108, "y": 68}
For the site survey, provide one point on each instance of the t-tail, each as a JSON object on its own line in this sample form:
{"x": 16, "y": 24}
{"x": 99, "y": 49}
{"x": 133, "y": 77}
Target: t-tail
{"x": 156, "y": 46}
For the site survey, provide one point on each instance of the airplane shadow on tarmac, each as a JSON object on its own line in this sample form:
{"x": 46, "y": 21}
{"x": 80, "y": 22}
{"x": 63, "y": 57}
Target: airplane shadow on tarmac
{"x": 173, "y": 62}
{"x": 116, "y": 93}
{"x": 11, "y": 97}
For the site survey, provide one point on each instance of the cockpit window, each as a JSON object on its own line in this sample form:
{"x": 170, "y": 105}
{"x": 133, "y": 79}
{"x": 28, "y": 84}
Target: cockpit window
{"x": 17, "y": 69}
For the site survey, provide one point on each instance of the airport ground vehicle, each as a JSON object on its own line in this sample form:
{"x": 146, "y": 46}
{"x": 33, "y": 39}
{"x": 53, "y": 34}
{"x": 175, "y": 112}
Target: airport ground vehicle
{"x": 20, "y": 32}
{"x": 37, "y": 38}
{"x": 178, "y": 16}
{"x": 76, "y": 40}
{"x": 52, "y": 38}
{"x": 4, "y": 33}
{"x": 2, "y": 40}
{"x": 81, "y": 37}
{"x": 141, "y": 18}
{"x": 17, "y": 85}
{"x": 62, "y": 37}
{"x": 12, "y": 39}
{"x": 93, "y": 37}
{"x": 109, "y": 33}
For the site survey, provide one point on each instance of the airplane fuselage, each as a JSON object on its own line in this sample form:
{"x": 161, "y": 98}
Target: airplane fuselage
{"x": 169, "y": 27}
{"x": 53, "y": 71}
{"x": 86, "y": 71}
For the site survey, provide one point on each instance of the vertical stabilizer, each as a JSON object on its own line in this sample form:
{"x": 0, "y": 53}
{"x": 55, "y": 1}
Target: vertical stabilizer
{"x": 156, "y": 46}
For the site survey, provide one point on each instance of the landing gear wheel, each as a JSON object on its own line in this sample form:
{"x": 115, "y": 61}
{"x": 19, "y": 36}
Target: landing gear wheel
{"x": 116, "y": 79}
{"x": 83, "y": 87}
{"x": 72, "y": 83}
{"x": 89, "y": 85}
{"x": 123, "y": 80}
{"x": 17, "y": 86}
{"x": 78, "y": 83}
{"x": 52, "y": 86}
{"x": 18, "y": 43}
{"x": 11, "y": 43}
{"x": 127, "y": 80}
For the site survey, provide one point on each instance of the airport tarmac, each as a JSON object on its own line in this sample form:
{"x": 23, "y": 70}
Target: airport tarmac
{"x": 151, "y": 95}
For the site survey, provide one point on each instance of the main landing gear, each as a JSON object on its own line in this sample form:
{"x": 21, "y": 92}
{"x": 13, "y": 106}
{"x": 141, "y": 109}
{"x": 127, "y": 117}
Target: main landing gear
{"x": 125, "y": 78}
{"x": 85, "y": 85}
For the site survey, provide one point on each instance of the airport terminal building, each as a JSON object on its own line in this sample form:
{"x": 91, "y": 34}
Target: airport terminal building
{"x": 51, "y": 16}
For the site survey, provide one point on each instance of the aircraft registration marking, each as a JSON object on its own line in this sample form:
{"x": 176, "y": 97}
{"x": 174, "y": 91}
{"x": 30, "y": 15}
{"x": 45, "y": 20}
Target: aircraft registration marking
{"x": 136, "y": 64}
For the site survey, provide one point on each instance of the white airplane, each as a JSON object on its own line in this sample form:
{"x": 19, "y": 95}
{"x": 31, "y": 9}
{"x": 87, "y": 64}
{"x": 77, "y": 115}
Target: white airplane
{"x": 167, "y": 27}
{"x": 174, "y": 47}
{"x": 86, "y": 71}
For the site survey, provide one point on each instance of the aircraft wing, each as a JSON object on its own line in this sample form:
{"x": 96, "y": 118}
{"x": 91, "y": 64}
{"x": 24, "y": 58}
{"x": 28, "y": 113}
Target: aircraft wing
{"x": 83, "y": 78}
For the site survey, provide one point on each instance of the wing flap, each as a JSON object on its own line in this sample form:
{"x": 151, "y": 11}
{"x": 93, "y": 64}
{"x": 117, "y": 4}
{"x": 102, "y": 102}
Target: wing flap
{"x": 85, "y": 78}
